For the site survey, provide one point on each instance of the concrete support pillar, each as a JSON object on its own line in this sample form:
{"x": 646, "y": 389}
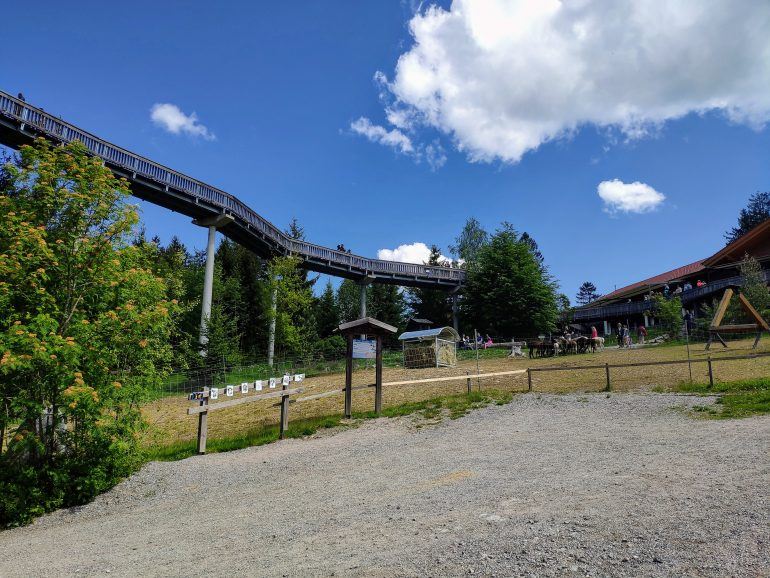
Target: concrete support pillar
{"x": 212, "y": 224}
{"x": 455, "y": 320}
{"x": 363, "y": 284}
{"x": 208, "y": 286}
{"x": 606, "y": 327}
{"x": 362, "y": 300}
{"x": 271, "y": 334}
{"x": 646, "y": 320}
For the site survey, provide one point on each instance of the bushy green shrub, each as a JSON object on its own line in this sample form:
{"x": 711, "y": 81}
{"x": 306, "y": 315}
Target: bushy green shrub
{"x": 84, "y": 330}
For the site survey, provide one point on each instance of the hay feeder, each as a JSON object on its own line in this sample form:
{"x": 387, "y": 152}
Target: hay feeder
{"x": 430, "y": 348}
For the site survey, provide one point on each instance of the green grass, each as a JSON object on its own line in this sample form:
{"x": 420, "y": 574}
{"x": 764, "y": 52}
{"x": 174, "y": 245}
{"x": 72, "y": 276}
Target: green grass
{"x": 455, "y": 407}
{"x": 255, "y": 437}
{"x": 737, "y": 399}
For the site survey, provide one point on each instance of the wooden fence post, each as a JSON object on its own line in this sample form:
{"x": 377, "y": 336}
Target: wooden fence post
{"x": 378, "y": 377}
{"x": 711, "y": 373}
{"x": 203, "y": 423}
{"x": 529, "y": 379}
{"x": 607, "y": 369}
{"x": 349, "y": 379}
{"x": 284, "y": 414}
{"x": 468, "y": 373}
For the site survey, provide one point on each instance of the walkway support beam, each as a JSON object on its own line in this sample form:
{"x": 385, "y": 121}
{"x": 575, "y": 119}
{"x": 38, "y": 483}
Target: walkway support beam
{"x": 455, "y": 316}
{"x": 271, "y": 331}
{"x": 363, "y": 284}
{"x": 212, "y": 224}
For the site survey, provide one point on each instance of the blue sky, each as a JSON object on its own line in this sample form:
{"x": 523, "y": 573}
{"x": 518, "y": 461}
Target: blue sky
{"x": 282, "y": 88}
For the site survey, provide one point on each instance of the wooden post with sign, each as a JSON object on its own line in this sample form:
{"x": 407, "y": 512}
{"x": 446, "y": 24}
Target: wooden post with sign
{"x": 203, "y": 423}
{"x": 363, "y": 350}
{"x": 378, "y": 377}
{"x": 284, "y": 413}
{"x": 349, "y": 378}
{"x": 204, "y": 408}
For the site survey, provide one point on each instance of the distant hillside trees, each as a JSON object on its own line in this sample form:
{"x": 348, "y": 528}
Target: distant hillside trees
{"x": 586, "y": 293}
{"x": 756, "y": 211}
{"x": 509, "y": 291}
{"x": 433, "y": 304}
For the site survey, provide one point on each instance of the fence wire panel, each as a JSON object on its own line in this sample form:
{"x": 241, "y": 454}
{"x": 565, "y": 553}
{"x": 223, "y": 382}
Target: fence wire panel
{"x": 574, "y": 380}
{"x": 740, "y": 369}
{"x": 655, "y": 377}
{"x": 656, "y": 369}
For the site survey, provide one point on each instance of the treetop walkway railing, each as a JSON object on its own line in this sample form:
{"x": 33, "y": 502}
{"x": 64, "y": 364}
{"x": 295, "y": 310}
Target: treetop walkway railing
{"x": 21, "y": 122}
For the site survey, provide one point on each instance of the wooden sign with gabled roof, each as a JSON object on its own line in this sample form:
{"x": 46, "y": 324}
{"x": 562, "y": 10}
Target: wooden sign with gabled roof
{"x": 368, "y": 326}
{"x": 716, "y": 326}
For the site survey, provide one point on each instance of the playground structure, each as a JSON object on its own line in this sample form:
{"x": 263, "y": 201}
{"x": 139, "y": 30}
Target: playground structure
{"x": 758, "y": 326}
{"x": 218, "y": 211}
{"x": 430, "y": 348}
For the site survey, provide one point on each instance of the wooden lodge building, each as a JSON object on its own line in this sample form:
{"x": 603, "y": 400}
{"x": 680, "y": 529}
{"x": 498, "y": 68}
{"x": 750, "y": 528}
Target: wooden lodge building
{"x": 697, "y": 283}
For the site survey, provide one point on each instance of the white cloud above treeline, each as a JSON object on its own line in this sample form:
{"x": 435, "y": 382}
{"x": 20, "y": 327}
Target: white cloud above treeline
{"x": 414, "y": 253}
{"x": 375, "y": 133}
{"x": 171, "y": 118}
{"x": 502, "y": 77}
{"x": 636, "y": 197}
{"x": 433, "y": 153}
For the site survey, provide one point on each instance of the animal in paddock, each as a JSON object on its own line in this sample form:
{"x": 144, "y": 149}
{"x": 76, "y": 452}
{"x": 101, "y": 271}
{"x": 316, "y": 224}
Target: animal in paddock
{"x": 538, "y": 348}
{"x": 582, "y": 344}
{"x": 600, "y": 343}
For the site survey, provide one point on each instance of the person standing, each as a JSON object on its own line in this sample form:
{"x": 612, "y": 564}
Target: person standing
{"x": 620, "y": 334}
{"x": 642, "y": 334}
{"x": 594, "y": 332}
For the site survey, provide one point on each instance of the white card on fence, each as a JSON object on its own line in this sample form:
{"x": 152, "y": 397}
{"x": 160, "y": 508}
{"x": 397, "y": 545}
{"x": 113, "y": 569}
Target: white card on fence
{"x": 244, "y": 388}
{"x": 258, "y": 385}
{"x": 214, "y": 393}
{"x": 299, "y": 377}
{"x": 272, "y": 382}
{"x": 229, "y": 391}
{"x": 286, "y": 380}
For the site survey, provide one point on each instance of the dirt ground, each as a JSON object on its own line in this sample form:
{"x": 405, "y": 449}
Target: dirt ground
{"x": 625, "y": 484}
{"x": 170, "y": 423}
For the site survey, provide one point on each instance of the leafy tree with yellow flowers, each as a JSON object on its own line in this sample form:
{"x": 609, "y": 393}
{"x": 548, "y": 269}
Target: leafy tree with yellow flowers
{"x": 85, "y": 328}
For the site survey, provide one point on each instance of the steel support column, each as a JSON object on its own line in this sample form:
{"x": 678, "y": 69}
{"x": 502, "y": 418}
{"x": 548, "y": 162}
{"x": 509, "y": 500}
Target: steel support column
{"x": 363, "y": 284}
{"x": 208, "y": 275}
{"x": 362, "y": 300}
{"x": 271, "y": 334}
{"x": 455, "y": 319}
{"x": 208, "y": 287}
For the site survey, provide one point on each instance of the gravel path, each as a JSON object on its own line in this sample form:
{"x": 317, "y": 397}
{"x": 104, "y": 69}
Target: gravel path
{"x": 547, "y": 485}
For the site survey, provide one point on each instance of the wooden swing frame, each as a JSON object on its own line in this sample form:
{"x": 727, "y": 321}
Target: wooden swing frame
{"x": 716, "y": 326}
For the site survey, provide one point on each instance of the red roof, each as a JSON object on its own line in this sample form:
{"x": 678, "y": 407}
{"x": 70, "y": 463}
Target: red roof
{"x": 666, "y": 277}
{"x": 734, "y": 251}
{"x": 731, "y": 253}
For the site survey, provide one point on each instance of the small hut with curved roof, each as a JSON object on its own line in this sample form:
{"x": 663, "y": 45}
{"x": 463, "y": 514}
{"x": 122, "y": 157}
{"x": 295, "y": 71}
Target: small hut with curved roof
{"x": 430, "y": 347}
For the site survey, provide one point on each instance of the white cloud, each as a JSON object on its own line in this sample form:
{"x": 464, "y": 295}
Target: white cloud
{"x": 393, "y": 138}
{"x": 633, "y": 197}
{"x": 415, "y": 253}
{"x": 502, "y": 77}
{"x": 169, "y": 117}
{"x": 432, "y": 153}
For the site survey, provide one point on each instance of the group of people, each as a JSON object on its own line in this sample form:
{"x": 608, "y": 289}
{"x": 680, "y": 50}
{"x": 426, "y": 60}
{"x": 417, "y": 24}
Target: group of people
{"x": 481, "y": 341}
{"x": 342, "y": 249}
{"x": 667, "y": 292}
{"x": 681, "y": 288}
{"x": 624, "y": 335}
